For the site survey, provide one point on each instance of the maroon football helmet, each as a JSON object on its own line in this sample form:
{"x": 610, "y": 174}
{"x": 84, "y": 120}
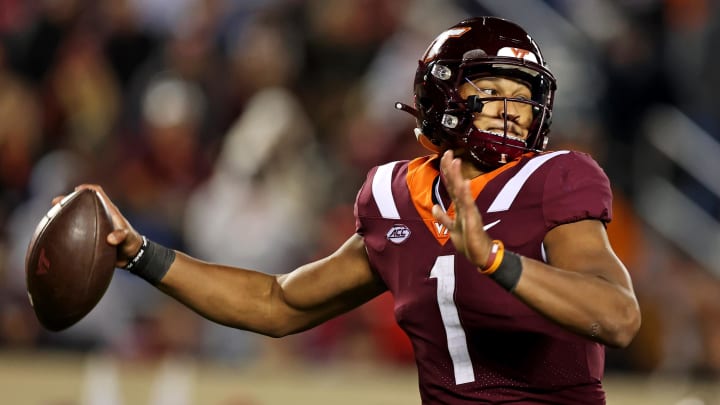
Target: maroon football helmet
{"x": 475, "y": 48}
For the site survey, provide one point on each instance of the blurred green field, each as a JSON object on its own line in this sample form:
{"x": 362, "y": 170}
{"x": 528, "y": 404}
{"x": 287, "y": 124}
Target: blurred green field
{"x": 61, "y": 379}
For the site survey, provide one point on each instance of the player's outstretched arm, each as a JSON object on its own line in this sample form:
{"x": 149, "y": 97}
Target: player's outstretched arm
{"x": 275, "y": 305}
{"x": 584, "y": 287}
{"x": 251, "y": 300}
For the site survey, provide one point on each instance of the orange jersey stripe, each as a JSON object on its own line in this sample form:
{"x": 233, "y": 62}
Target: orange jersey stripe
{"x": 422, "y": 172}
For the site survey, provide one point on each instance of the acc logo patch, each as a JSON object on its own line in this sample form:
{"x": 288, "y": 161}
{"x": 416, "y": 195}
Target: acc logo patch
{"x": 398, "y": 234}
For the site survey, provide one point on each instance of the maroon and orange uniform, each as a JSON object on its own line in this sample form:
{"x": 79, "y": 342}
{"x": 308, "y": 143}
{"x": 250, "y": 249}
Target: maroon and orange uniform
{"x": 474, "y": 342}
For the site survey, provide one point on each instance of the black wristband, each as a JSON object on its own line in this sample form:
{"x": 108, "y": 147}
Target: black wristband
{"x": 151, "y": 262}
{"x": 509, "y": 271}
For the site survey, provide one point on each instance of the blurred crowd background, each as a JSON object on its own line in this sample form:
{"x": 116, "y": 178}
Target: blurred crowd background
{"x": 240, "y": 131}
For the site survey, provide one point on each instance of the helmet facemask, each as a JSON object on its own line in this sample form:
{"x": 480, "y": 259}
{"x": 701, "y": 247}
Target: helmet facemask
{"x": 492, "y": 149}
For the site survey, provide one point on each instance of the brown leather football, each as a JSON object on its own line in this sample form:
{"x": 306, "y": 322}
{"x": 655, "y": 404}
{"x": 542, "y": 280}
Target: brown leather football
{"x": 69, "y": 264}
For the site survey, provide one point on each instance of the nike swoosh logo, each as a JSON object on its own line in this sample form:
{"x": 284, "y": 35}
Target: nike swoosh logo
{"x": 490, "y": 225}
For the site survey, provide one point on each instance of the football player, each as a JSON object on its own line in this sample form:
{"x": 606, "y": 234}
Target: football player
{"x": 494, "y": 249}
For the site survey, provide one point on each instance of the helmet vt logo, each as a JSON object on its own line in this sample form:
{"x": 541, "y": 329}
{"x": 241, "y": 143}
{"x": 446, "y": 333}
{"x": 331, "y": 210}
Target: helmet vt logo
{"x": 398, "y": 234}
{"x": 518, "y": 53}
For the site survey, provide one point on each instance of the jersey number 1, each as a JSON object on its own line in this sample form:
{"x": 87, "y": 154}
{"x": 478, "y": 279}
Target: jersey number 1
{"x": 444, "y": 271}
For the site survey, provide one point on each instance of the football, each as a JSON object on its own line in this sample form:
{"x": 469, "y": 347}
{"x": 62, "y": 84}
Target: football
{"x": 69, "y": 264}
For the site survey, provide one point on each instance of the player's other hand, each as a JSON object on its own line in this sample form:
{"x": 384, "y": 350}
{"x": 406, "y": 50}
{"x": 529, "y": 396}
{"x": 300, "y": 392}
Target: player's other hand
{"x": 466, "y": 228}
{"x": 124, "y": 236}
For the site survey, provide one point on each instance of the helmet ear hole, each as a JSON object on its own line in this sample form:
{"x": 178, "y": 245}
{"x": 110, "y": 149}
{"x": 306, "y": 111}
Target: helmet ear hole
{"x": 425, "y": 102}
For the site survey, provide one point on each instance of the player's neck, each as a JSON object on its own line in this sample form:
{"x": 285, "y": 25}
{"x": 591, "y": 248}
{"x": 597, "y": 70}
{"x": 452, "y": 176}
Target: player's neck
{"x": 470, "y": 171}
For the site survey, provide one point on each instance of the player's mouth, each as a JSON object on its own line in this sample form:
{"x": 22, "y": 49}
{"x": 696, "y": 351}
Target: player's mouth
{"x": 511, "y": 133}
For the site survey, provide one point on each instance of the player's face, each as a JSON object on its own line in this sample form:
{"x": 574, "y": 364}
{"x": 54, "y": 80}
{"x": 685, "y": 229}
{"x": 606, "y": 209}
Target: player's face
{"x": 492, "y": 117}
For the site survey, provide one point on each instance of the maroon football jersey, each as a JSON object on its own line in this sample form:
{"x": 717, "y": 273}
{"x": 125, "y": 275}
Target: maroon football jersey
{"x": 474, "y": 342}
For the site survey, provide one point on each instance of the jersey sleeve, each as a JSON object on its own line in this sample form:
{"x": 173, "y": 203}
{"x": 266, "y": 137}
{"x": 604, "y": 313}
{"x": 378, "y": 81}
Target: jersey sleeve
{"x": 363, "y": 199}
{"x": 576, "y": 188}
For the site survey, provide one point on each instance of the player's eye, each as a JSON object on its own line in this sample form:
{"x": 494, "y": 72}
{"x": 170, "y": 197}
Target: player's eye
{"x": 488, "y": 92}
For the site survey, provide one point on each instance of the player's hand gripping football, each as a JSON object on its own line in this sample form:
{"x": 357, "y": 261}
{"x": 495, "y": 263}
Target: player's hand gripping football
{"x": 124, "y": 236}
{"x": 466, "y": 229}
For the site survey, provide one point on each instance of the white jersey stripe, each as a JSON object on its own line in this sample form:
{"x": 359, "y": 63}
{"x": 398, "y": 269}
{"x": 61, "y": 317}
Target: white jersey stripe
{"x": 507, "y": 195}
{"x": 382, "y": 191}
